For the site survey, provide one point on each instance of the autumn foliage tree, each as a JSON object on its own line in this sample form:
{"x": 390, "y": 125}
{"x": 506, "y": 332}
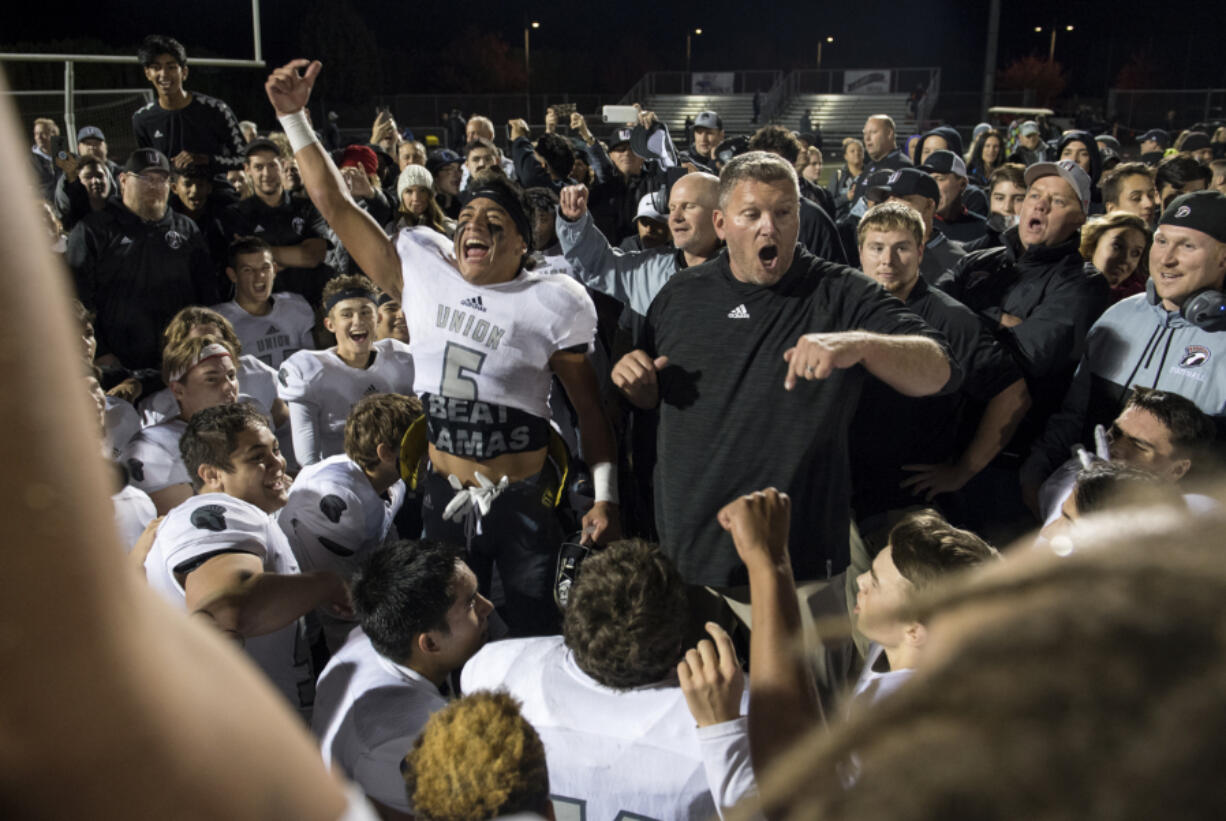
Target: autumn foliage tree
{"x": 1045, "y": 78}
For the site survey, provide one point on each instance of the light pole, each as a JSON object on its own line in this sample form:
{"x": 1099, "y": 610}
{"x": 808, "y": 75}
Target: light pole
{"x": 688, "y": 36}
{"x": 819, "y": 50}
{"x": 528, "y": 66}
{"x": 1051, "y": 52}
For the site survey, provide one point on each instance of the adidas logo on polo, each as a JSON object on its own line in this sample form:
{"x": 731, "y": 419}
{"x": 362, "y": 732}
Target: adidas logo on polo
{"x": 473, "y": 302}
{"x": 157, "y": 134}
{"x": 738, "y": 312}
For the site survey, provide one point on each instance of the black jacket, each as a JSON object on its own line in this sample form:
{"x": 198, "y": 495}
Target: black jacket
{"x": 137, "y": 275}
{"x": 1048, "y": 289}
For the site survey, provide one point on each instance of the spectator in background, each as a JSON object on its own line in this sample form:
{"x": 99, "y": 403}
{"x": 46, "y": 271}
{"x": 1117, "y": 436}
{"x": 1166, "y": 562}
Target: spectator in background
{"x": 954, "y": 218}
{"x": 1153, "y": 145}
{"x": 410, "y": 152}
{"x": 652, "y": 227}
{"x": 188, "y": 127}
{"x": 41, "y": 160}
{"x": 1218, "y": 182}
{"x": 1005, "y": 193}
{"x": 845, "y": 177}
{"x": 1177, "y": 175}
{"x": 444, "y": 166}
{"x": 483, "y": 127}
{"x": 1117, "y": 245}
{"x": 137, "y": 262}
{"x": 916, "y": 188}
{"x": 818, "y": 233}
{"x": 622, "y": 179}
{"x": 83, "y": 189}
{"x": 416, "y": 204}
{"x": 1145, "y": 340}
{"x": 1030, "y": 149}
{"x": 986, "y": 155}
{"x": 298, "y": 235}
{"x": 1197, "y": 146}
{"x": 479, "y": 155}
{"x": 545, "y": 164}
{"x": 1082, "y": 148}
{"x": 936, "y": 444}
{"x": 708, "y": 134}
{"x": 1130, "y": 187}
{"x": 880, "y": 146}
{"x": 196, "y": 197}
{"x": 941, "y": 138}
{"x": 359, "y": 166}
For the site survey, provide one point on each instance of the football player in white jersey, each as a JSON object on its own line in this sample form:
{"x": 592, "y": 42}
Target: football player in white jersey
{"x": 270, "y": 326}
{"x": 200, "y": 374}
{"x": 421, "y": 618}
{"x": 342, "y": 508}
{"x": 487, "y": 336}
{"x": 604, "y": 696}
{"x": 392, "y": 324}
{"x": 220, "y": 554}
{"x": 321, "y": 386}
{"x": 257, "y": 382}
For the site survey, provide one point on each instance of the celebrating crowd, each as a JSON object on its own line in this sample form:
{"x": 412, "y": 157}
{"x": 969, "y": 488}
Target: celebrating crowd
{"x": 521, "y": 472}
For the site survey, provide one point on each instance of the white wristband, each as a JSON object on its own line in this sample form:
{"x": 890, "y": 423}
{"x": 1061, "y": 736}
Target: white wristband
{"x": 298, "y": 129}
{"x": 604, "y": 480}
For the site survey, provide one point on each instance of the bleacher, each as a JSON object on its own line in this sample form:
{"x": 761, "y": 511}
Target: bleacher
{"x": 843, "y": 115}
{"x": 840, "y": 115}
{"x": 736, "y": 111}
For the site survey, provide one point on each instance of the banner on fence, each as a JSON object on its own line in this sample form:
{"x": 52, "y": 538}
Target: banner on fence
{"x": 713, "y": 82}
{"x": 866, "y": 81}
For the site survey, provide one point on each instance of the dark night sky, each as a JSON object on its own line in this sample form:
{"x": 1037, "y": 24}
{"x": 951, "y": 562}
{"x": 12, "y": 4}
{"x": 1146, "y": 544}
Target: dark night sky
{"x": 1183, "y": 39}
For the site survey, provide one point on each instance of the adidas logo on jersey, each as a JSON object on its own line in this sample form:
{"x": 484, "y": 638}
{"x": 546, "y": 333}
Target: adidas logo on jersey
{"x": 157, "y": 133}
{"x": 272, "y": 329}
{"x": 126, "y": 241}
{"x": 372, "y": 389}
{"x": 473, "y": 302}
{"x": 259, "y": 229}
{"x": 738, "y": 312}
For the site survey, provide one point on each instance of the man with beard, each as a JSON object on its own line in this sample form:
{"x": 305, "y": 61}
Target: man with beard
{"x": 137, "y": 262}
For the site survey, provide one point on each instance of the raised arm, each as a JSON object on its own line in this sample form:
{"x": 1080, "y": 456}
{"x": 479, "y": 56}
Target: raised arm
{"x": 596, "y": 438}
{"x": 289, "y": 89}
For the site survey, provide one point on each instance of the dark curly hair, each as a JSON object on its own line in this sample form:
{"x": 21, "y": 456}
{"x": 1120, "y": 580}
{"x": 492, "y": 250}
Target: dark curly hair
{"x": 558, "y": 154}
{"x": 627, "y": 615}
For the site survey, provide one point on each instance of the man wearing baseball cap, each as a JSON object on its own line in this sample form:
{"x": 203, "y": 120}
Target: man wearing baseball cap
{"x": 136, "y": 263}
{"x": 1197, "y": 146}
{"x": 1034, "y": 292}
{"x": 916, "y": 188}
{"x": 652, "y": 227}
{"x": 708, "y": 134}
{"x": 75, "y": 197}
{"x": 956, "y": 220}
{"x": 1152, "y": 339}
{"x": 1154, "y": 144}
{"x": 623, "y": 178}
{"x": 1029, "y": 144}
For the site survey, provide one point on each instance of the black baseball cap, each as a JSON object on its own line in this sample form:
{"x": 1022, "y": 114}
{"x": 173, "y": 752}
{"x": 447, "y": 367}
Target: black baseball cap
{"x": 1195, "y": 141}
{"x": 1204, "y": 211}
{"x": 261, "y": 144}
{"x": 441, "y": 158}
{"x": 142, "y": 159}
{"x": 620, "y": 135}
{"x": 708, "y": 119}
{"x": 944, "y": 162}
{"x": 90, "y": 132}
{"x": 903, "y": 182}
{"x": 1157, "y": 135}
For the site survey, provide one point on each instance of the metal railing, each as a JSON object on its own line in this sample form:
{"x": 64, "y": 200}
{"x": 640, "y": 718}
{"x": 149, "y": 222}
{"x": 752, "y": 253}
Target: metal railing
{"x": 745, "y": 81}
{"x": 1141, "y": 109}
{"x": 830, "y": 81}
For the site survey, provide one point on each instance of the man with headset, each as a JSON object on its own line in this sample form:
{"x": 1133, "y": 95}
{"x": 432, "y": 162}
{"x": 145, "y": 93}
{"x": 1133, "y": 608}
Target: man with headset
{"x": 1169, "y": 337}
